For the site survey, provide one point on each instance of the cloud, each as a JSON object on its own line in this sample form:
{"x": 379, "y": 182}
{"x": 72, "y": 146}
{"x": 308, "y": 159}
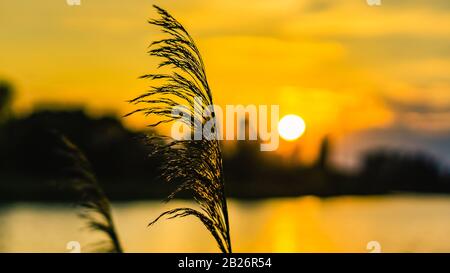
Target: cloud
{"x": 422, "y": 4}
{"x": 350, "y": 149}
{"x": 319, "y": 6}
{"x": 417, "y": 107}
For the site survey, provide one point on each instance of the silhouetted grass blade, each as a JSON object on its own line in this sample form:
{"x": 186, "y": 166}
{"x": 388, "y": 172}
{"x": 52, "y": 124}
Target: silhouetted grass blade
{"x": 195, "y": 164}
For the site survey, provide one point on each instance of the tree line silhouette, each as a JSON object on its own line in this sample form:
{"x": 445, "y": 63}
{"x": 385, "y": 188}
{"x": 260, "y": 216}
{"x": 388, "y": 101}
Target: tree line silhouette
{"x": 30, "y": 165}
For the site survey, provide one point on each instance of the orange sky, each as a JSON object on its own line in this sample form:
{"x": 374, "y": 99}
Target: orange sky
{"x": 343, "y": 66}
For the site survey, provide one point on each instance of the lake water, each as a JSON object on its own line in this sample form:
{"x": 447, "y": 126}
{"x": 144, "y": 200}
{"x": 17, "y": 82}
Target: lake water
{"x": 305, "y": 224}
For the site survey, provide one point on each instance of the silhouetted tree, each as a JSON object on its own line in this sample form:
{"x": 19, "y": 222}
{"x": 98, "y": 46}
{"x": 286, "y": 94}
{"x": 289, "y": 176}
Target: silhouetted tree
{"x": 386, "y": 171}
{"x": 6, "y": 93}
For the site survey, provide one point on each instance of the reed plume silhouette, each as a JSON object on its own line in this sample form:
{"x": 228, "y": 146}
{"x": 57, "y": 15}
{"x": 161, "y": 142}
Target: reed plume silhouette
{"x": 81, "y": 181}
{"x": 196, "y": 165}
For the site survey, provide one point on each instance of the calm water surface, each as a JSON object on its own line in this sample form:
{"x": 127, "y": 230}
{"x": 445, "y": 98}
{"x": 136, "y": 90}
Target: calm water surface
{"x": 306, "y": 224}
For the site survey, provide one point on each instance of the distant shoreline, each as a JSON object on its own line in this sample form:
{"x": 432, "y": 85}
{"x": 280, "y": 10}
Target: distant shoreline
{"x": 254, "y": 199}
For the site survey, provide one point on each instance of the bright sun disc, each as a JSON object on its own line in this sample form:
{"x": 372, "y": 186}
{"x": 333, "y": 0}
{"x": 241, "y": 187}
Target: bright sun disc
{"x": 291, "y": 127}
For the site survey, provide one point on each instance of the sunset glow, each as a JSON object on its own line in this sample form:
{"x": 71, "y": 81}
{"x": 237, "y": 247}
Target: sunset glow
{"x": 266, "y": 126}
{"x": 348, "y": 66}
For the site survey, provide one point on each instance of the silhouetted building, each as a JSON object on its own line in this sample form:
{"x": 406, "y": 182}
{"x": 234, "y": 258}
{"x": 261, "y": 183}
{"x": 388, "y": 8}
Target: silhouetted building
{"x": 324, "y": 153}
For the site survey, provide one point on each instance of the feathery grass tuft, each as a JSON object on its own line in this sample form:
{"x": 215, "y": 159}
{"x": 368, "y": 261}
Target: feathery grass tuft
{"x": 196, "y": 165}
{"x": 96, "y": 209}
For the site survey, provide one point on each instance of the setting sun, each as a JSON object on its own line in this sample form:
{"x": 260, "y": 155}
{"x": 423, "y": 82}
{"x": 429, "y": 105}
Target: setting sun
{"x": 291, "y": 127}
